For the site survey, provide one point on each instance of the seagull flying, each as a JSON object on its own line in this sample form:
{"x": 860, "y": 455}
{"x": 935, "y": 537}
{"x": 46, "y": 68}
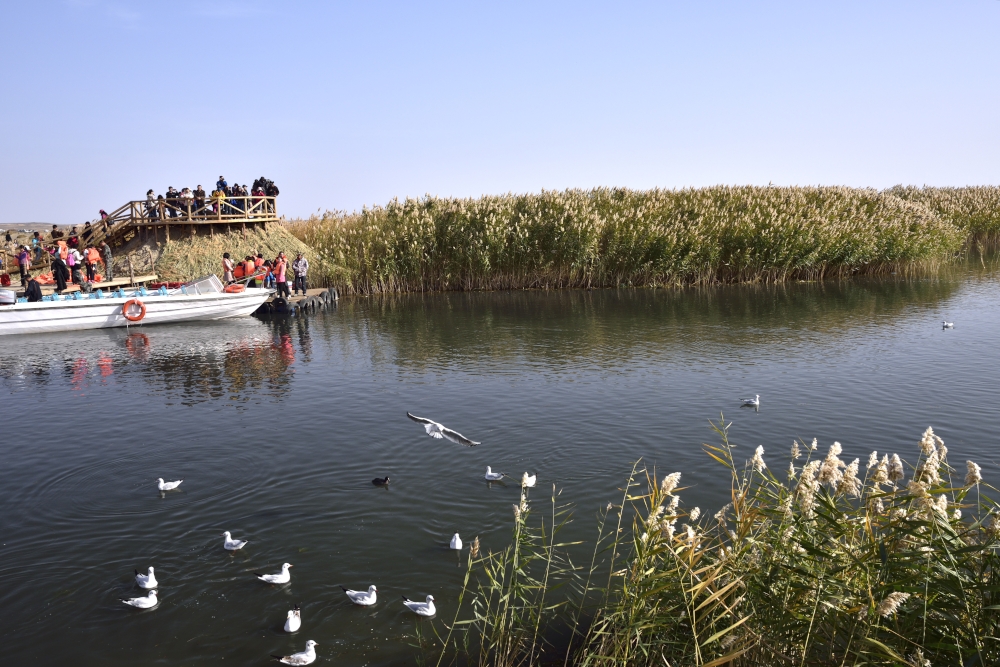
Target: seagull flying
{"x": 282, "y": 577}
{"x": 232, "y": 545}
{"x": 421, "y": 608}
{"x": 381, "y": 481}
{"x": 528, "y": 480}
{"x": 947, "y": 325}
{"x": 294, "y": 620}
{"x": 436, "y": 430}
{"x": 456, "y": 541}
{"x": 147, "y": 581}
{"x": 751, "y": 402}
{"x": 363, "y": 598}
{"x": 492, "y": 476}
{"x": 306, "y": 657}
{"x": 167, "y": 486}
{"x": 142, "y": 603}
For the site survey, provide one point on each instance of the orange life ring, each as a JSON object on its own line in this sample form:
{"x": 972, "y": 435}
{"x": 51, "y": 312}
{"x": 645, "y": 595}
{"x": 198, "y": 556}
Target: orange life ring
{"x": 234, "y": 289}
{"x": 130, "y": 303}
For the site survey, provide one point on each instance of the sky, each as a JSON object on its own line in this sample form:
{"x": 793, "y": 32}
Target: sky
{"x": 351, "y": 104}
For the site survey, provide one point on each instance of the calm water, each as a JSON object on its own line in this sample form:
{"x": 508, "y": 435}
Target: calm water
{"x": 278, "y": 427}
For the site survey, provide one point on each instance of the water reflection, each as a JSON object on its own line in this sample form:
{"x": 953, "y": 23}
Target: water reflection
{"x": 239, "y": 361}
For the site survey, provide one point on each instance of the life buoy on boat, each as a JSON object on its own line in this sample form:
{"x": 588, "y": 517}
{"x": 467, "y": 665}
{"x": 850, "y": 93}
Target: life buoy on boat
{"x": 127, "y": 306}
{"x": 234, "y": 289}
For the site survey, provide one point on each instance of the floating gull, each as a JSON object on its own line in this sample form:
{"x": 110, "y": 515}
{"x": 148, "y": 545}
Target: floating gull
{"x": 147, "y": 581}
{"x": 436, "y": 430}
{"x": 142, "y": 603}
{"x": 421, "y": 608}
{"x": 233, "y": 545}
{"x": 528, "y": 480}
{"x": 306, "y": 657}
{"x": 167, "y": 486}
{"x": 282, "y": 577}
{"x": 751, "y": 402}
{"x": 456, "y": 541}
{"x": 381, "y": 481}
{"x": 947, "y": 325}
{"x": 294, "y": 620}
{"x": 363, "y": 598}
{"x": 493, "y": 476}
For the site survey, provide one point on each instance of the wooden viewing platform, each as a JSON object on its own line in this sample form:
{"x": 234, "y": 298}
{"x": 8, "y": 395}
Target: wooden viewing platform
{"x": 186, "y": 216}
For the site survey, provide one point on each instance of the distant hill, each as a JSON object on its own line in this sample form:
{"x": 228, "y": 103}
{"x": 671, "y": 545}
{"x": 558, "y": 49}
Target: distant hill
{"x": 30, "y": 226}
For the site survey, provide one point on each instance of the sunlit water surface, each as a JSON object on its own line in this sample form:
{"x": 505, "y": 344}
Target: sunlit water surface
{"x": 278, "y": 427}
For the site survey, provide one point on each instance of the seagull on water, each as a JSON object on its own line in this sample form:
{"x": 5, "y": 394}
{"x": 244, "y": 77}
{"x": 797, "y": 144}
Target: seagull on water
{"x": 491, "y": 476}
{"x": 947, "y": 325}
{"x": 456, "y": 541}
{"x": 167, "y": 486}
{"x": 232, "y": 545}
{"x": 363, "y": 598}
{"x": 381, "y": 481}
{"x": 439, "y": 431}
{"x": 306, "y": 657}
{"x": 282, "y": 577}
{"x": 528, "y": 480}
{"x": 147, "y": 602}
{"x": 421, "y": 608}
{"x": 751, "y": 402}
{"x": 294, "y": 620}
{"x": 147, "y": 581}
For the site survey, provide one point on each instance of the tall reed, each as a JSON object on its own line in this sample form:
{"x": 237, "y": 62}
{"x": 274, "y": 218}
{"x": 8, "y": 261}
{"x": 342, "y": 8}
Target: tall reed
{"x": 609, "y": 237}
{"x": 828, "y": 563}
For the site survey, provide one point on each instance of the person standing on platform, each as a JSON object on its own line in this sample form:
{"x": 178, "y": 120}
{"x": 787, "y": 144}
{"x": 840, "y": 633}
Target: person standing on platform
{"x": 109, "y": 272}
{"x": 280, "y": 268}
{"x": 227, "y": 269}
{"x": 74, "y": 260}
{"x": 24, "y": 263}
{"x": 301, "y": 269}
{"x": 59, "y": 271}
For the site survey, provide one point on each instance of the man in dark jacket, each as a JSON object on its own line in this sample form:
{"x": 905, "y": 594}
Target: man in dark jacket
{"x": 60, "y": 272}
{"x": 33, "y": 291}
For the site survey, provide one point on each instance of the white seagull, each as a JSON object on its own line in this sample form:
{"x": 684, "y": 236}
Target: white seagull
{"x": 229, "y": 544}
{"x": 421, "y": 608}
{"x": 528, "y": 480}
{"x": 147, "y": 581}
{"x": 439, "y": 431}
{"x": 306, "y": 657}
{"x": 491, "y": 476}
{"x": 282, "y": 577}
{"x": 142, "y": 603}
{"x": 456, "y": 541}
{"x": 294, "y": 620}
{"x": 752, "y": 402}
{"x": 167, "y": 486}
{"x": 947, "y": 325}
{"x": 363, "y": 598}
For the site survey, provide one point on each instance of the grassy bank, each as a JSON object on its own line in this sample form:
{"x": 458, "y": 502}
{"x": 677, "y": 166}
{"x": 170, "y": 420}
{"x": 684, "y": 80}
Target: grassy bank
{"x": 825, "y": 562}
{"x": 610, "y": 237}
{"x": 201, "y": 255}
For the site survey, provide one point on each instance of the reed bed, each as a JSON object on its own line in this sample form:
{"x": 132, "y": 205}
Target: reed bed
{"x": 827, "y": 562}
{"x": 197, "y": 256}
{"x": 613, "y": 237}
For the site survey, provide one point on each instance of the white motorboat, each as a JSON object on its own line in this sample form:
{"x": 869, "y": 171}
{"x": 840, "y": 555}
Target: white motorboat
{"x": 203, "y": 299}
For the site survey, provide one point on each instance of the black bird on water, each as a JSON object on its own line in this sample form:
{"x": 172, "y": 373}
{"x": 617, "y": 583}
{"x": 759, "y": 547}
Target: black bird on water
{"x": 381, "y": 481}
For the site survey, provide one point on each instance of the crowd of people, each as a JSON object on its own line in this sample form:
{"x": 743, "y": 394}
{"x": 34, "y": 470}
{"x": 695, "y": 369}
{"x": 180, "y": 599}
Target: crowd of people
{"x": 70, "y": 257}
{"x": 226, "y": 199}
{"x": 275, "y": 273}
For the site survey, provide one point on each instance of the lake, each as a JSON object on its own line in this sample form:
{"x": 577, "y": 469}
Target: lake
{"x": 277, "y": 428}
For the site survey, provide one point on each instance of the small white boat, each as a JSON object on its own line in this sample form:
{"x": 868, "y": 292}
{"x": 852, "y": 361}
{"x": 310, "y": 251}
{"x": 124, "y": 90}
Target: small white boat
{"x": 203, "y": 299}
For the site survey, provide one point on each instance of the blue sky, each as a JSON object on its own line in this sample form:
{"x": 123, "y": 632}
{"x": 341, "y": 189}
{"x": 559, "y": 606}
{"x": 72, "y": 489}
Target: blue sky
{"x": 348, "y": 104}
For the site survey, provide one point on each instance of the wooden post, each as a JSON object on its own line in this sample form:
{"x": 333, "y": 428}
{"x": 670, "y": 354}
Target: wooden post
{"x": 166, "y": 229}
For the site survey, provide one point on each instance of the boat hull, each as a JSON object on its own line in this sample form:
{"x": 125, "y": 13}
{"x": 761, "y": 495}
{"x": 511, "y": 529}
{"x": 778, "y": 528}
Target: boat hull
{"x": 50, "y": 316}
